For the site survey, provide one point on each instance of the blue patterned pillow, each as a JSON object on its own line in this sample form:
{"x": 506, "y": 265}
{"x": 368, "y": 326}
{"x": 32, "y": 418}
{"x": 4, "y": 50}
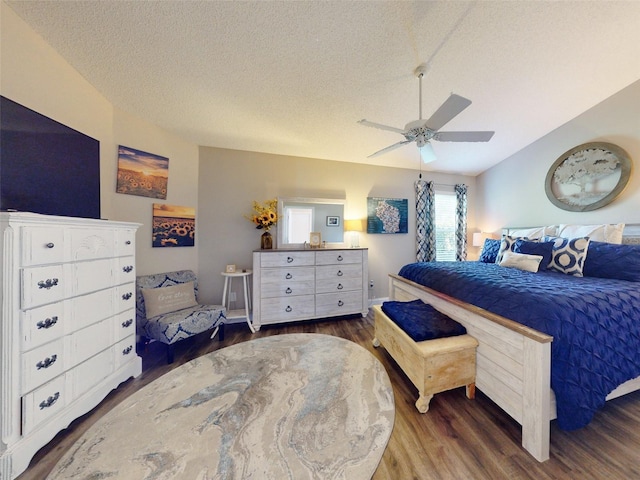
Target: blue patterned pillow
{"x": 568, "y": 254}
{"x": 608, "y": 260}
{"x": 490, "y": 250}
{"x": 506, "y": 245}
{"x": 545, "y": 249}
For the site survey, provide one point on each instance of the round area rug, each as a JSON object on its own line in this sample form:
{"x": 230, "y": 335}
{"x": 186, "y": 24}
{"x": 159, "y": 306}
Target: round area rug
{"x": 293, "y": 406}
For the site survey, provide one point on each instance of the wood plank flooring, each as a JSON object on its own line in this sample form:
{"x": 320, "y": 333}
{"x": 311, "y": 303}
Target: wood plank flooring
{"x": 457, "y": 439}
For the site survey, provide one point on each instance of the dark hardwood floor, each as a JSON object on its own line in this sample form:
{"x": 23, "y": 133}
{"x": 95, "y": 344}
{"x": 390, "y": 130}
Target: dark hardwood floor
{"x": 457, "y": 439}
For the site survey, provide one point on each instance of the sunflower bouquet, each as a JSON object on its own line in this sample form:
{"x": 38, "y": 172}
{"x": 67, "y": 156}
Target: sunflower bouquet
{"x": 265, "y": 216}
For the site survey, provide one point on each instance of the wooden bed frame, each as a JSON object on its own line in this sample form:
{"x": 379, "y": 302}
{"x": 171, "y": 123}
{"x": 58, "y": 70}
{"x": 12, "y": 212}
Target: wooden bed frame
{"x": 513, "y": 362}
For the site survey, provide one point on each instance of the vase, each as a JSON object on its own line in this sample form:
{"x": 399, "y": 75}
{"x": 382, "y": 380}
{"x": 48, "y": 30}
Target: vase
{"x": 266, "y": 241}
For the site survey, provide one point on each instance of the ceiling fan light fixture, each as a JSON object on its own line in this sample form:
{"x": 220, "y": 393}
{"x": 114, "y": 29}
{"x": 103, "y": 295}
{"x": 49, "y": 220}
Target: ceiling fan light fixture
{"x": 426, "y": 153}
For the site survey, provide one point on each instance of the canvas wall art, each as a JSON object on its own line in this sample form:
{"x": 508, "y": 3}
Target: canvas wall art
{"x": 141, "y": 173}
{"x": 173, "y": 226}
{"x": 387, "y": 215}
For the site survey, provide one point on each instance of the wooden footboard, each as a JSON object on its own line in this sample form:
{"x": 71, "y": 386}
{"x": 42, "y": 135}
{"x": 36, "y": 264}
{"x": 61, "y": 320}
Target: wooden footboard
{"x": 513, "y": 363}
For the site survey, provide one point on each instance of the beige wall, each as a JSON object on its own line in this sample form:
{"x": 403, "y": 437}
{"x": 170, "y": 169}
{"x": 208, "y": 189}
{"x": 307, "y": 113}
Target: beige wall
{"x": 231, "y": 180}
{"x": 34, "y": 75}
{"x": 512, "y": 193}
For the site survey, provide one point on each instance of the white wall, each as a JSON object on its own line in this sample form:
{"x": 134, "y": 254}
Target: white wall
{"x": 231, "y": 180}
{"x": 512, "y": 193}
{"x": 34, "y": 75}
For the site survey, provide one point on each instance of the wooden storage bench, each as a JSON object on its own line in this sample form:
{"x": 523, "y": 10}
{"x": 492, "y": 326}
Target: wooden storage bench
{"x": 433, "y": 366}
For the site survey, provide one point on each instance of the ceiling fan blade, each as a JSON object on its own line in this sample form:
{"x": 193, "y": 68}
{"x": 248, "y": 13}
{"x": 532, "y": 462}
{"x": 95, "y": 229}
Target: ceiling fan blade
{"x": 463, "y": 136}
{"x": 427, "y": 154}
{"x": 449, "y": 109}
{"x": 389, "y": 148}
{"x": 367, "y": 123}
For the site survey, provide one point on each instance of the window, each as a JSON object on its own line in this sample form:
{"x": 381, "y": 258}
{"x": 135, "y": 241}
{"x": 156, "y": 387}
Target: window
{"x": 445, "y": 226}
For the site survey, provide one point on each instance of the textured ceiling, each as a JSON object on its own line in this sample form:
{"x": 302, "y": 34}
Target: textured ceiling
{"x": 294, "y": 77}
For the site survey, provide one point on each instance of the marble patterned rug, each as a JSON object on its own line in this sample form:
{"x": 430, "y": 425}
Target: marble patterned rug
{"x": 294, "y": 406}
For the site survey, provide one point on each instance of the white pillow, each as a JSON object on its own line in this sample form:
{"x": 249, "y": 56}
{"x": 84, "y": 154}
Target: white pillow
{"x": 609, "y": 233}
{"x": 521, "y": 261}
{"x": 168, "y": 299}
{"x": 534, "y": 233}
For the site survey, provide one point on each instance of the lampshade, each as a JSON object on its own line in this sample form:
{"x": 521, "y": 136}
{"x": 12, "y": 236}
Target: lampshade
{"x": 354, "y": 225}
{"x": 480, "y": 237}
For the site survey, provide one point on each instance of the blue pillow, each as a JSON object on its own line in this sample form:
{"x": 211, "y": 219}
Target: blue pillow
{"x": 421, "y": 321}
{"x": 609, "y": 260}
{"x": 545, "y": 249}
{"x": 490, "y": 250}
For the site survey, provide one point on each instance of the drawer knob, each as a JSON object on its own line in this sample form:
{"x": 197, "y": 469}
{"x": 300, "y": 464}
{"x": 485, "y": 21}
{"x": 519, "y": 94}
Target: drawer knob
{"x": 128, "y": 242}
{"x": 127, "y": 350}
{"x": 127, "y": 296}
{"x": 47, "y": 362}
{"x": 340, "y": 287}
{"x": 289, "y": 259}
{"x": 49, "y": 401}
{"x": 340, "y": 273}
{"x": 288, "y": 276}
{"x": 288, "y": 290}
{"x": 48, "y": 283}
{"x": 288, "y": 309}
{"x": 50, "y": 245}
{"x": 47, "y": 322}
{"x": 127, "y": 323}
{"x": 340, "y": 258}
{"x": 340, "y": 303}
{"x": 127, "y": 269}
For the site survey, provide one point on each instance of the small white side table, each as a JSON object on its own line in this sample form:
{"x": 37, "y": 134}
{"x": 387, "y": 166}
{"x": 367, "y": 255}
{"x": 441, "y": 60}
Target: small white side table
{"x": 226, "y": 294}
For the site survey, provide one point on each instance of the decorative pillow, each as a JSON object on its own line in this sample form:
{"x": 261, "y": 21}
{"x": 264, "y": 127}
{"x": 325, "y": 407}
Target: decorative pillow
{"x": 168, "y": 299}
{"x": 568, "y": 254}
{"x": 535, "y": 248}
{"x": 506, "y": 245}
{"x": 607, "y": 260}
{"x": 534, "y": 233}
{"x": 490, "y": 250}
{"x": 610, "y": 233}
{"x": 521, "y": 261}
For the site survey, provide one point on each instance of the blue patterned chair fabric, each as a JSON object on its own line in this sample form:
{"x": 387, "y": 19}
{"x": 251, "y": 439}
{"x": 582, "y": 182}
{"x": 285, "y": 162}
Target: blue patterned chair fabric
{"x": 174, "y": 326}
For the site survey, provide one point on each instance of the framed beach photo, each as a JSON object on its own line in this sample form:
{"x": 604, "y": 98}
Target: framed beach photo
{"x": 333, "y": 221}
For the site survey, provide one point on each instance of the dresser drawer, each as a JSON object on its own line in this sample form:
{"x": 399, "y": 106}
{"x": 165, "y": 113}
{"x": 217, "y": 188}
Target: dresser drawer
{"x": 42, "y": 245}
{"x": 287, "y": 309}
{"x": 125, "y": 297}
{"x": 88, "y": 244}
{"x": 124, "y": 270}
{"x": 125, "y": 242}
{"x": 42, "y": 364}
{"x": 89, "y": 341}
{"x": 338, "y": 257}
{"x": 329, "y": 304}
{"x": 87, "y": 374}
{"x": 43, "y": 324}
{"x": 125, "y": 324}
{"x": 284, "y": 259}
{"x": 91, "y": 308}
{"x": 90, "y": 276}
{"x": 43, "y": 403}
{"x": 124, "y": 351}
{"x": 42, "y": 285}
{"x": 280, "y": 282}
{"x": 339, "y": 285}
{"x": 339, "y": 272}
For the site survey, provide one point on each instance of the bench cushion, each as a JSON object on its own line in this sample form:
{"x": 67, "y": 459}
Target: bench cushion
{"x": 421, "y": 321}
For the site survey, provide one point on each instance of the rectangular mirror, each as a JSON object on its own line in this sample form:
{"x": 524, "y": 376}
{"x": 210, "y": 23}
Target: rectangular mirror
{"x": 298, "y": 217}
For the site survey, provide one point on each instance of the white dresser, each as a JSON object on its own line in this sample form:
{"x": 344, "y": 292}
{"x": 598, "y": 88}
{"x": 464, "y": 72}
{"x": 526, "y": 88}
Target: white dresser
{"x": 291, "y": 285}
{"x": 67, "y": 336}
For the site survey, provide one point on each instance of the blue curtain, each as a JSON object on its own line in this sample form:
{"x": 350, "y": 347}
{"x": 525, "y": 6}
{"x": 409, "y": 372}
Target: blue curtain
{"x": 425, "y": 221}
{"x": 461, "y": 222}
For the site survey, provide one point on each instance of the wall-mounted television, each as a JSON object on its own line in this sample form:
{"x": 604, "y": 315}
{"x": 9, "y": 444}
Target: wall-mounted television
{"x": 45, "y": 166}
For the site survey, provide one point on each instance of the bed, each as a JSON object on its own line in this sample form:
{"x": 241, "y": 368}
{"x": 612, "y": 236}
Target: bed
{"x": 577, "y": 334}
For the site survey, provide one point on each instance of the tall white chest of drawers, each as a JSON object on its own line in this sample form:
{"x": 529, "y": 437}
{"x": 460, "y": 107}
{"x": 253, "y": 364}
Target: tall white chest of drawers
{"x": 67, "y": 335}
{"x": 291, "y": 285}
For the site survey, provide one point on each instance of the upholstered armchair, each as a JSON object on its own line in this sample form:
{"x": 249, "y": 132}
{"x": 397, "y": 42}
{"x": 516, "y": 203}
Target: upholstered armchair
{"x": 167, "y": 309}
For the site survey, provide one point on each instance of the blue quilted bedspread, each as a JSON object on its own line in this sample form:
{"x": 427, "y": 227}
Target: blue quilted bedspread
{"x": 595, "y": 324}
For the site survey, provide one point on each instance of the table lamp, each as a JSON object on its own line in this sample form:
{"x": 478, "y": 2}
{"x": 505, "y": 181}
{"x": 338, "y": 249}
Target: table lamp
{"x": 353, "y": 227}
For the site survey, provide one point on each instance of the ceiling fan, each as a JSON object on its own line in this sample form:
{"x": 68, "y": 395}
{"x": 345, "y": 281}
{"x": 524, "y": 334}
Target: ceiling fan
{"x": 423, "y": 131}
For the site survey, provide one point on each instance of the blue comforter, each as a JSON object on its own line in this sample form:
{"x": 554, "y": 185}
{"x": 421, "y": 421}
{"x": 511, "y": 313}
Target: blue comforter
{"x": 595, "y": 324}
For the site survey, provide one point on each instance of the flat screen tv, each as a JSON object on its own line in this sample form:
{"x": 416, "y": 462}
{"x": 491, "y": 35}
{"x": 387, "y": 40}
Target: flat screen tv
{"x": 45, "y": 166}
